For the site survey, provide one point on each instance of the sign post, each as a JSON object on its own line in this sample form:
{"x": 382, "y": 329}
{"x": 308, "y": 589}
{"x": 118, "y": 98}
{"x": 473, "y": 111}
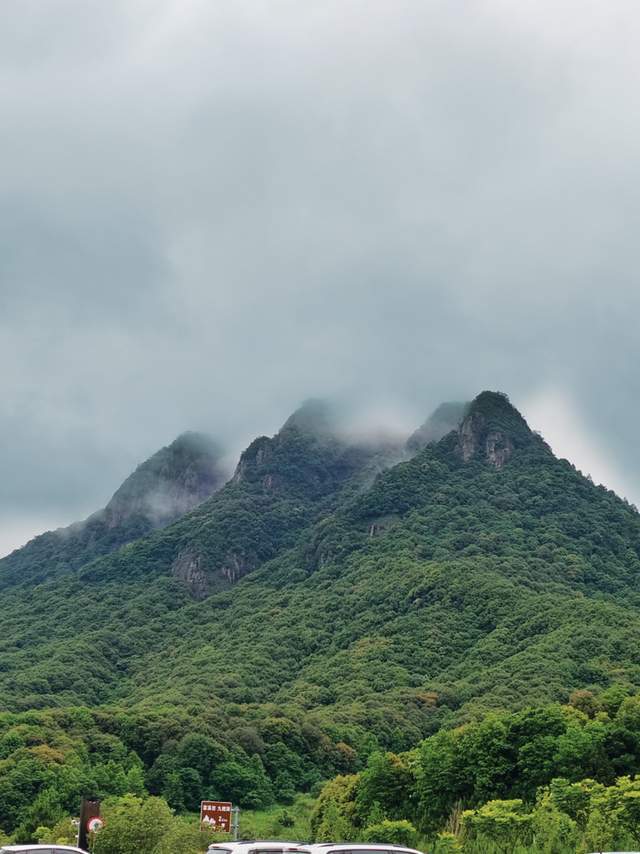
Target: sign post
{"x": 90, "y": 821}
{"x": 235, "y": 824}
{"x": 217, "y": 815}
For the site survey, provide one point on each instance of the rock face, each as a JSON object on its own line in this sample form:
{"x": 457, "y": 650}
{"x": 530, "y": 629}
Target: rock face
{"x": 202, "y": 577}
{"x": 494, "y": 445}
{"x": 498, "y": 449}
{"x": 491, "y": 430}
{"x": 188, "y": 568}
{"x": 259, "y": 452}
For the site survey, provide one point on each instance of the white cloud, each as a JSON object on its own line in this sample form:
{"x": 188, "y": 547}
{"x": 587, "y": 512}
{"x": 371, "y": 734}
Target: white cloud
{"x": 212, "y": 211}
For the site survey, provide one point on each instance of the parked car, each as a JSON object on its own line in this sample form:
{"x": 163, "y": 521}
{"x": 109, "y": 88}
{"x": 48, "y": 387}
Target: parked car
{"x": 257, "y": 846}
{"x": 358, "y": 848}
{"x": 41, "y": 849}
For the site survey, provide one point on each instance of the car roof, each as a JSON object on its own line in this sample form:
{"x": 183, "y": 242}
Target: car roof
{"x": 370, "y": 846}
{"x": 264, "y": 843}
{"x": 40, "y": 847}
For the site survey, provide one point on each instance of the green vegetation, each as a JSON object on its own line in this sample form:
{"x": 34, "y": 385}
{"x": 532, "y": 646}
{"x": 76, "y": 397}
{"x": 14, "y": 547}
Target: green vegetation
{"x": 290, "y": 821}
{"x": 136, "y": 825}
{"x": 550, "y": 779}
{"x": 330, "y": 605}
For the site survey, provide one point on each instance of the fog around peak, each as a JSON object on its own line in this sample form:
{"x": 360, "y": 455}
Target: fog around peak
{"x": 212, "y": 212}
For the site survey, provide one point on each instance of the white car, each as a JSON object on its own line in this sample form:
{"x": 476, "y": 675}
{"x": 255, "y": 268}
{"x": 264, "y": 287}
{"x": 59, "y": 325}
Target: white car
{"x": 257, "y": 846}
{"x": 358, "y": 848}
{"x": 41, "y": 849}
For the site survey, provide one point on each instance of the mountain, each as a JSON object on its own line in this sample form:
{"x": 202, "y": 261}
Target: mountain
{"x": 447, "y": 417}
{"x": 326, "y": 601}
{"x": 280, "y": 486}
{"x": 169, "y": 484}
{"x": 163, "y": 488}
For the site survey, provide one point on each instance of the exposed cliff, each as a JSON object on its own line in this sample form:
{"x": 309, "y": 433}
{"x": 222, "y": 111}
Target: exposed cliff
{"x": 491, "y": 430}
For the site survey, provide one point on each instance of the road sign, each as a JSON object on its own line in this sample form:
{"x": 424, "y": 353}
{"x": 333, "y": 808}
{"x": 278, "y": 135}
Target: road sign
{"x": 216, "y": 815}
{"x": 89, "y": 812}
{"x": 95, "y": 824}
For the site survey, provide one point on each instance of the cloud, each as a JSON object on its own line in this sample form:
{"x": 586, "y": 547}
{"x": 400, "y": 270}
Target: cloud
{"x": 553, "y": 413}
{"x": 213, "y": 211}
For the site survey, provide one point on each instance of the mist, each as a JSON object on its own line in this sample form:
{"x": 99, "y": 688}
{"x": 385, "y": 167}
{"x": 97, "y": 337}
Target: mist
{"x": 211, "y": 212}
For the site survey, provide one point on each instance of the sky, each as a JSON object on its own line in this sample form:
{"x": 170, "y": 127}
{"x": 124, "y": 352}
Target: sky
{"x": 212, "y": 211}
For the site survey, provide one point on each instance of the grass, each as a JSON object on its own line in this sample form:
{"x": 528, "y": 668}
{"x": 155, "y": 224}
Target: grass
{"x": 291, "y": 821}
{"x": 280, "y": 821}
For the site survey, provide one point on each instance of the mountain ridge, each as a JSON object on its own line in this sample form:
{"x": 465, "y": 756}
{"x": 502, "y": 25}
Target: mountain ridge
{"x": 164, "y": 487}
{"x": 279, "y": 483}
{"x": 377, "y": 604}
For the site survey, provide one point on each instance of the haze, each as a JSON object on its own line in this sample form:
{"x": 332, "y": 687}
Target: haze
{"x": 211, "y": 211}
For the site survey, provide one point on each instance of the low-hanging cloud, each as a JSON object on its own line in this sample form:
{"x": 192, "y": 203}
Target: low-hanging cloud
{"x": 211, "y": 211}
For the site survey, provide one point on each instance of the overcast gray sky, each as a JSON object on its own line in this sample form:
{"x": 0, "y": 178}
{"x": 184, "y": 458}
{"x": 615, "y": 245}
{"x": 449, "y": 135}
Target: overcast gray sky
{"x": 212, "y": 210}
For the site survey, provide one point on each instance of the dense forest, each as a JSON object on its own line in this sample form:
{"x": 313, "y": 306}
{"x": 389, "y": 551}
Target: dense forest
{"x": 332, "y": 606}
{"x": 551, "y": 778}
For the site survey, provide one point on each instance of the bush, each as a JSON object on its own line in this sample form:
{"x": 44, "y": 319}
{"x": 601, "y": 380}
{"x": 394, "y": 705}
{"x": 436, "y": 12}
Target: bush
{"x": 391, "y": 832}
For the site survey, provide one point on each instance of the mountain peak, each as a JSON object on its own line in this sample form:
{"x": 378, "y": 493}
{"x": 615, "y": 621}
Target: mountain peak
{"x": 314, "y": 416}
{"x": 443, "y": 420}
{"x": 170, "y": 482}
{"x": 492, "y": 429}
{"x": 161, "y": 489}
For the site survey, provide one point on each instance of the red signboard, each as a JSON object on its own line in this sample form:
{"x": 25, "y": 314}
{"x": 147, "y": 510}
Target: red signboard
{"x": 216, "y": 815}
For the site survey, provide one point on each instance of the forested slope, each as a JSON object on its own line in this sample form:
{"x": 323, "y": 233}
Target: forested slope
{"x": 329, "y": 600}
{"x": 77, "y": 636}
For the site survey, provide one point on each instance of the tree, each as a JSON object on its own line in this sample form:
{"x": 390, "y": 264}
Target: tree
{"x": 337, "y": 798}
{"x": 505, "y": 823}
{"x": 615, "y": 815}
{"x": 553, "y": 830}
{"x": 333, "y": 827}
{"x": 46, "y": 809}
{"x": 385, "y": 781}
{"x": 135, "y": 781}
{"x": 134, "y": 826}
{"x": 244, "y": 783}
{"x": 441, "y": 778}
